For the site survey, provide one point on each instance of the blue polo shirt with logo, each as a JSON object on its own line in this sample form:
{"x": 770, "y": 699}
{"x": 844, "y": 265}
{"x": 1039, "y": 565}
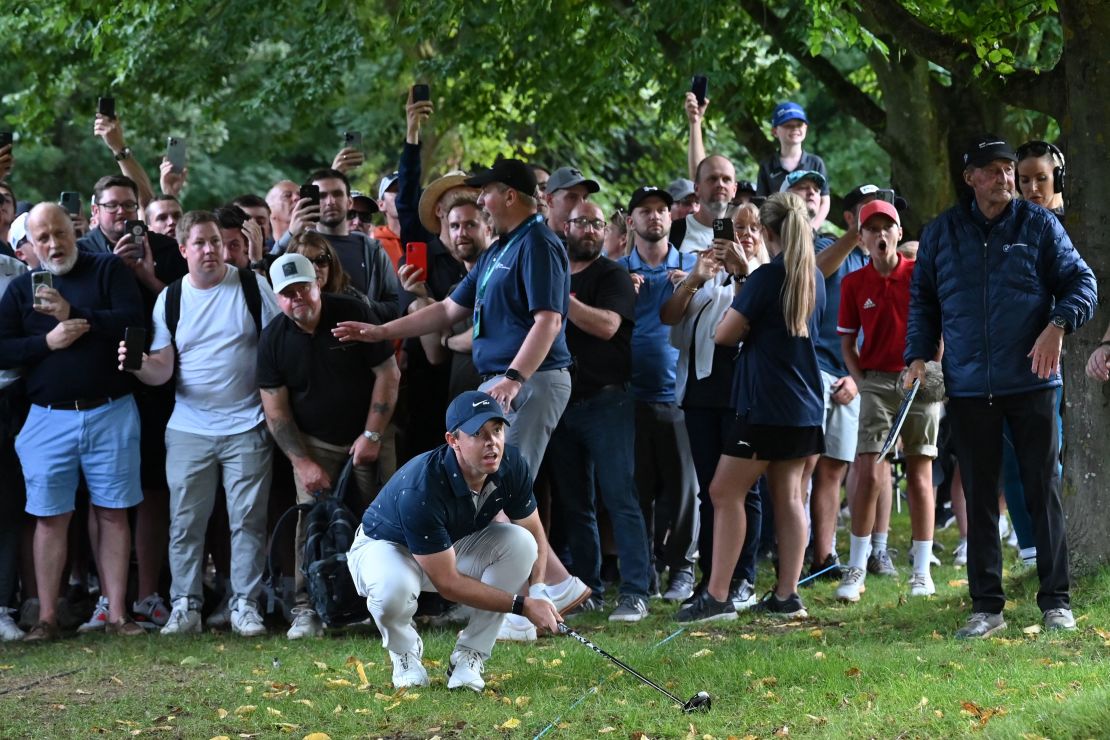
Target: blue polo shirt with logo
{"x": 427, "y": 506}
{"x": 653, "y": 358}
{"x": 829, "y": 356}
{"x": 526, "y": 271}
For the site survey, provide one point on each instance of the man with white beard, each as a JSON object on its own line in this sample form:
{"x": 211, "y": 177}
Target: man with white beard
{"x": 715, "y": 186}
{"x": 83, "y": 416}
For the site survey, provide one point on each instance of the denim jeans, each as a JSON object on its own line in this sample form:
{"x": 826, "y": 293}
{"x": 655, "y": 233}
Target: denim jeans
{"x": 594, "y": 442}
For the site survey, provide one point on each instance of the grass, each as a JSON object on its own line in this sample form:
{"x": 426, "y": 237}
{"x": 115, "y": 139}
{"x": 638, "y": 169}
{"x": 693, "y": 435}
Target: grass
{"x": 886, "y": 667}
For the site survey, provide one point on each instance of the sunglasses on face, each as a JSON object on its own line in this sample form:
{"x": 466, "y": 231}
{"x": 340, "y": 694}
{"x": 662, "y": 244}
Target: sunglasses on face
{"x": 360, "y": 215}
{"x": 323, "y": 260}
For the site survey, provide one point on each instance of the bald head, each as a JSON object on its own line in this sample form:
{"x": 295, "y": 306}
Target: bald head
{"x": 281, "y": 199}
{"x": 52, "y": 237}
{"x": 715, "y": 185}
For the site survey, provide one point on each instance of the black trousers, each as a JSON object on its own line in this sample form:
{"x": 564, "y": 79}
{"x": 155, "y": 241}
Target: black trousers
{"x": 977, "y": 437}
{"x": 667, "y": 484}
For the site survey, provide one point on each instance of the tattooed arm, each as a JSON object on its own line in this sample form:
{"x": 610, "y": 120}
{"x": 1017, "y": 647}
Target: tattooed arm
{"x": 279, "y": 418}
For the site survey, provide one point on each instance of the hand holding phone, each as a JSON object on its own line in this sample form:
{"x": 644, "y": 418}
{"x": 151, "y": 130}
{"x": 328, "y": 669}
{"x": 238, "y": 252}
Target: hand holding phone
{"x": 723, "y": 229}
{"x": 420, "y": 92}
{"x": 416, "y": 254}
{"x": 699, "y": 85}
{"x": 352, "y": 140}
{"x": 106, "y": 106}
{"x": 71, "y": 201}
{"x": 175, "y": 153}
{"x": 134, "y": 342}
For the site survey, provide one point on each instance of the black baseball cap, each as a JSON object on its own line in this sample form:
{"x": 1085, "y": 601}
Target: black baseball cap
{"x": 512, "y": 172}
{"x": 858, "y": 193}
{"x": 649, "y": 191}
{"x": 987, "y": 148}
{"x": 746, "y": 186}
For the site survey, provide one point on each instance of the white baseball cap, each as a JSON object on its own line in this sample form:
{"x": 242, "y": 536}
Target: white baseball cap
{"x": 289, "y": 269}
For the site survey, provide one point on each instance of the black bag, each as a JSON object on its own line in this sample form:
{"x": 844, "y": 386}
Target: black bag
{"x": 330, "y": 532}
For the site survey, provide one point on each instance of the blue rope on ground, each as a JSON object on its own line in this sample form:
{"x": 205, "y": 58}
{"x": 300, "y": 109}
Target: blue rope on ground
{"x": 594, "y": 689}
{"x": 818, "y": 573}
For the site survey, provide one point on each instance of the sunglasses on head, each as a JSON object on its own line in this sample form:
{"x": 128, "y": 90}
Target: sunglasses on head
{"x": 1037, "y": 148}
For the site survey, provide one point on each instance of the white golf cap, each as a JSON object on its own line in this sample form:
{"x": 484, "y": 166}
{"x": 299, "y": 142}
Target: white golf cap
{"x": 289, "y": 269}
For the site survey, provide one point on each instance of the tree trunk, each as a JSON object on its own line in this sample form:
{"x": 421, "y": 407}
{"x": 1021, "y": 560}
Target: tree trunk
{"x": 1086, "y": 485}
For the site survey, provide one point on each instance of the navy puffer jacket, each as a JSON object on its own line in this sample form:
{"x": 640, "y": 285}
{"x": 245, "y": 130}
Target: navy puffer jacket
{"x": 992, "y": 295}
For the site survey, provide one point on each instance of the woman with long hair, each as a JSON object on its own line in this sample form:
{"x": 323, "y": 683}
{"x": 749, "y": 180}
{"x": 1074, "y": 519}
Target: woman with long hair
{"x": 330, "y": 275}
{"x": 777, "y": 397}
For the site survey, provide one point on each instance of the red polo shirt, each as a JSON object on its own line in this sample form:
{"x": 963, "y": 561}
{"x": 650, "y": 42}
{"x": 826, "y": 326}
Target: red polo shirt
{"x": 880, "y": 307}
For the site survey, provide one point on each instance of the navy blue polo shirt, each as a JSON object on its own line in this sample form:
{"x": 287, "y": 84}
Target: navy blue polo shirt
{"x": 527, "y": 271}
{"x": 427, "y": 507}
{"x": 777, "y": 381}
{"x": 772, "y": 173}
{"x": 653, "y": 358}
{"x": 829, "y": 356}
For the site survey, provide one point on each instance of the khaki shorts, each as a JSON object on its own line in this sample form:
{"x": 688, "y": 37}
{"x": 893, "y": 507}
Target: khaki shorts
{"x": 880, "y": 398}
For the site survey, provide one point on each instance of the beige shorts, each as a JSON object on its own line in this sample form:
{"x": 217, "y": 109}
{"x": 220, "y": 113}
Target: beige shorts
{"x": 880, "y": 398}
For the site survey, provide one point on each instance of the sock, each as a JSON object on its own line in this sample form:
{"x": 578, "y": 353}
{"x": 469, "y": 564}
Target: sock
{"x": 834, "y": 542}
{"x": 860, "y": 549}
{"x": 921, "y": 549}
{"x": 1029, "y": 555}
{"x": 878, "y": 542}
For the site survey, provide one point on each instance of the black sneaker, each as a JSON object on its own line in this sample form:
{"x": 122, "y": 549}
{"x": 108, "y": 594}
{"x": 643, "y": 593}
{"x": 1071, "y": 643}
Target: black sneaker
{"x": 773, "y": 606}
{"x": 832, "y": 562}
{"x": 707, "y": 609}
{"x": 702, "y": 585}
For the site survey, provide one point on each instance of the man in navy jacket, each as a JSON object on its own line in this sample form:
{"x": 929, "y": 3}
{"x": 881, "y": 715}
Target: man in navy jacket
{"x": 1001, "y": 281}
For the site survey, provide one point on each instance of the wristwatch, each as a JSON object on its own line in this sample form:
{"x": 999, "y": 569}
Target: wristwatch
{"x": 513, "y": 374}
{"x": 372, "y": 436}
{"x": 257, "y": 265}
{"x": 518, "y": 605}
{"x": 123, "y": 154}
{"x": 1060, "y": 322}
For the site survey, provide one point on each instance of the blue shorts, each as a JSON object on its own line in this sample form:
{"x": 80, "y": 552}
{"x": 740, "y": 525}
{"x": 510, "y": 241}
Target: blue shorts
{"x": 55, "y": 446}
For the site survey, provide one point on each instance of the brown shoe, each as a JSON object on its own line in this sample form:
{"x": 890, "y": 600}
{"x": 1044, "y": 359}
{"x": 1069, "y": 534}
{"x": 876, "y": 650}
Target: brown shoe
{"x": 128, "y": 627}
{"x": 42, "y": 632}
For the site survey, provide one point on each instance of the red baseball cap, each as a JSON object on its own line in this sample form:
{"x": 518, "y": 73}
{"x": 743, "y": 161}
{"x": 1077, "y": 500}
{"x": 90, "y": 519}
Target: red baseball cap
{"x": 876, "y": 207}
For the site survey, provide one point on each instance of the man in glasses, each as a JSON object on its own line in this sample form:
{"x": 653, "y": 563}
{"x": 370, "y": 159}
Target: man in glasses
{"x": 322, "y": 405}
{"x": 565, "y": 189}
{"x": 594, "y": 438}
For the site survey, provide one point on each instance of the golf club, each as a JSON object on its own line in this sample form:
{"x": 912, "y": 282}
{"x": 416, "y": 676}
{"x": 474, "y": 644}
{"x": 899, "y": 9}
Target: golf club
{"x": 700, "y": 702}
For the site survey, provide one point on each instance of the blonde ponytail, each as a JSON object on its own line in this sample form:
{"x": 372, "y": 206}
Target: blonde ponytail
{"x": 785, "y": 214}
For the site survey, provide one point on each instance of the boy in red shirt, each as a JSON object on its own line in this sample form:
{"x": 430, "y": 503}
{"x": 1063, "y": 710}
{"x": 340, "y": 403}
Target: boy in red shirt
{"x": 876, "y": 300}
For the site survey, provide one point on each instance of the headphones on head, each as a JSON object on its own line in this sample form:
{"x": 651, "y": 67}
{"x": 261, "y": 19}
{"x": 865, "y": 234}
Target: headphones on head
{"x": 1037, "y": 148}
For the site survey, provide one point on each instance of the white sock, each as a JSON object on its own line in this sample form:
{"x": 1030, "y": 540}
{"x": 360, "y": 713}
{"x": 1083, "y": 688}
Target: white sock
{"x": 860, "y": 549}
{"x": 878, "y": 542}
{"x": 921, "y": 549}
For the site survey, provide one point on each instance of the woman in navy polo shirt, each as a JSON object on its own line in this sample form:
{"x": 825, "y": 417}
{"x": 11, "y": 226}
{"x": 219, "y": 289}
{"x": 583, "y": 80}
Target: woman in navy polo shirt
{"x": 777, "y": 394}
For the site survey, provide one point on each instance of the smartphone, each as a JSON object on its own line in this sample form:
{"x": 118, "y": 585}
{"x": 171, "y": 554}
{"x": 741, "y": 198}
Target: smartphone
{"x": 5, "y": 138}
{"x": 416, "y": 254}
{"x": 70, "y": 201}
{"x": 136, "y": 229}
{"x": 700, "y": 87}
{"x": 352, "y": 140}
{"x": 420, "y": 91}
{"x": 722, "y": 229}
{"x": 175, "y": 152}
{"x": 312, "y": 192}
{"x": 134, "y": 342}
{"x": 106, "y": 107}
{"x": 42, "y": 277}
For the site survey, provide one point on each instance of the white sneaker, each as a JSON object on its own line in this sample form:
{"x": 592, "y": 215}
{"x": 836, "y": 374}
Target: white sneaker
{"x": 99, "y": 618}
{"x": 516, "y": 628}
{"x": 921, "y": 584}
{"x": 959, "y": 558}
{"x": 851, "y": 584}
{"x": 466, "y": 670}
{"x": 246, "y": 621}
{"x": 408, "y": 671}
{"x": 151, "y": 612}
{"x": 573, "y": 593}
{"x": 182, "y": 620}
{"x": 9, "y": 630}
{"x": 305, "y": 624}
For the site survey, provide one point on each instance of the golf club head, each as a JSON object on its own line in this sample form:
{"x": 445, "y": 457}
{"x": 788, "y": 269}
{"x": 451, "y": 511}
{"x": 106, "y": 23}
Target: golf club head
{"x": 700, "y": 702}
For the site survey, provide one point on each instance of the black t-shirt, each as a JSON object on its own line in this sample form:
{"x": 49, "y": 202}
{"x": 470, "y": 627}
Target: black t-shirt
{"x": 352, "y": 255}
{"x": 605, "y": 285}
{"x": 714, "y": 391}
{"x": 329, "y": 382}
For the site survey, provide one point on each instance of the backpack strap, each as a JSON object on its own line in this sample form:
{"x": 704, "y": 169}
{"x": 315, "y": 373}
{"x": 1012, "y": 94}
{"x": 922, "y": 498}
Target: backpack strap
{"x": 253, "y": 295}
{"x": 297, "y": 508}
{"x": 173, "y": 308}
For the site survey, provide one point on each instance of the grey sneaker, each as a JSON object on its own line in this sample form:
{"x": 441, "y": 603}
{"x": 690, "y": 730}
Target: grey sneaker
{"x": 981, "y": 624}
{"x": 1059, "y": 619}
{"x": 851, "y": 585}
{"x": 681, "y": 587}
{"x": 880, "y": 564}
{"x": 592, "y": 604}
{"x": 629, "y": 609}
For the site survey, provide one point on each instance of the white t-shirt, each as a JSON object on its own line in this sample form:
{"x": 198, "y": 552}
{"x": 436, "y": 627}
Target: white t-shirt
{"x": 217, "y": 356}
{"x": 697, "y": 237}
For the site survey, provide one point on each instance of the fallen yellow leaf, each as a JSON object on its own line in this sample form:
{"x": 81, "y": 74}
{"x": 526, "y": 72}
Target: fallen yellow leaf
{"x": 306, "y": 702}
{"x": 221, "y": 713}
{"x": 317, "y": 736}
{"x": 245, "y": 710}
{"x": 702, "y": 653}
{"x": 606, "y": 730}
{"x": 510, "y": 724}
{"x": 361, "y": 670}
{"x": 335, "y": 683}
{"x": 320, "y": 666}
{"x": 522, "y": 701}
{"x": 275, "y": 712}
{"x": 220, "y": 737}
{"x": 1033, "y": 629}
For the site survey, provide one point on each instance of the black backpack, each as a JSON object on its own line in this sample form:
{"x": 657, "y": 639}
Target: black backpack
{"x": 330, "y": 532}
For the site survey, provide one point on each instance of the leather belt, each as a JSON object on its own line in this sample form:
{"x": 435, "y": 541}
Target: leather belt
{"x": 82, "y": 404}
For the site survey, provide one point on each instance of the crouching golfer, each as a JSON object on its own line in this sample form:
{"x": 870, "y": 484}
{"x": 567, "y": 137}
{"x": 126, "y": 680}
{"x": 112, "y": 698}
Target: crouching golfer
{"x": 431, "y": 529}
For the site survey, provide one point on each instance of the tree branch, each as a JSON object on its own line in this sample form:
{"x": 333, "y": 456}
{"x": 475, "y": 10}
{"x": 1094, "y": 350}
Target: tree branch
{"x": 849, "y": 97}
{"x": 1042, "y": 92}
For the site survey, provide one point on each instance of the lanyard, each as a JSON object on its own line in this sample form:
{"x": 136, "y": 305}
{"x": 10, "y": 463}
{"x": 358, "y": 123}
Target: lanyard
{"x": 512, "y": 242}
